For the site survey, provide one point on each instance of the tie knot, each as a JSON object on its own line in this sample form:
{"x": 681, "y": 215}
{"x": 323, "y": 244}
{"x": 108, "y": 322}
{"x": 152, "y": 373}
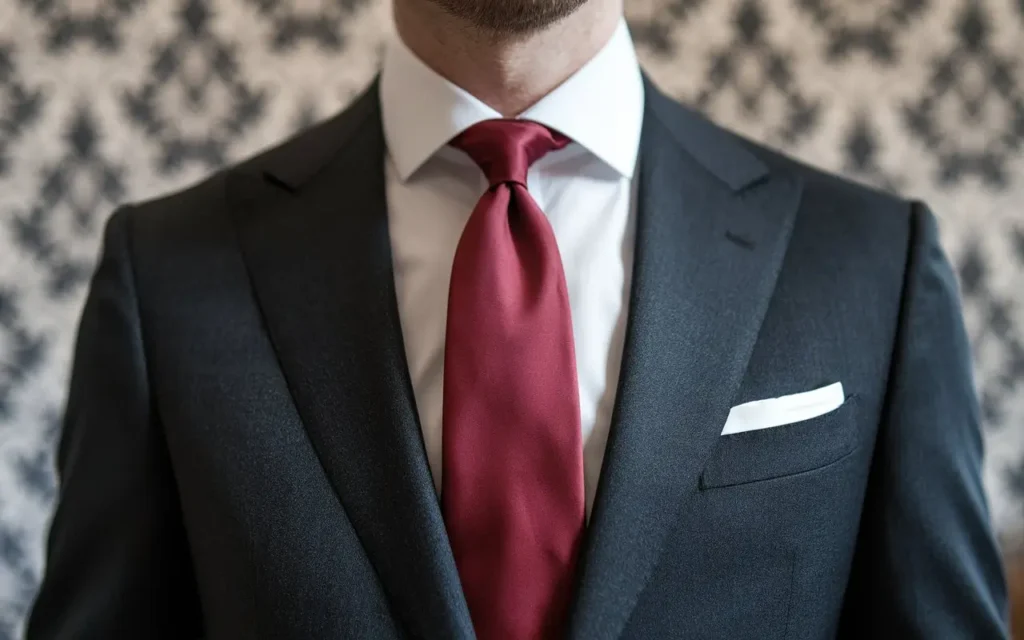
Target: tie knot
{"x": 505, "y": 149}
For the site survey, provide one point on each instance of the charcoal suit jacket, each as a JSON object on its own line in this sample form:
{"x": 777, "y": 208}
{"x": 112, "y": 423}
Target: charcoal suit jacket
{"x": 241, "y": 455}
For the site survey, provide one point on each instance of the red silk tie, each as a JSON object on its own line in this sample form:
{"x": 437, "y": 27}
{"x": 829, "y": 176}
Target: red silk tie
{"x": 512, "y": 478}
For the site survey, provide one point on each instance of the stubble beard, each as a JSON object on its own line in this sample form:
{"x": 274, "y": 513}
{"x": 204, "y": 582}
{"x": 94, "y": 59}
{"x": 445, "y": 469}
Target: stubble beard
{"x": 510, "y": 18}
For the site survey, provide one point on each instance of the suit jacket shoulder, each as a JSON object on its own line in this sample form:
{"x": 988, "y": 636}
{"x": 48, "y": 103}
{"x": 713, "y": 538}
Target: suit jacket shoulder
{"x": 824, "y": 193}
{"x": 178, "y": 221}
{"x": 841, "y": 226}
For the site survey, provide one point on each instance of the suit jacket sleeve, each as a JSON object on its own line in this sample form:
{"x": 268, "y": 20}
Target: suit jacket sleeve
{"x": 118, "y": 564}
{"x": 927, "y": 565}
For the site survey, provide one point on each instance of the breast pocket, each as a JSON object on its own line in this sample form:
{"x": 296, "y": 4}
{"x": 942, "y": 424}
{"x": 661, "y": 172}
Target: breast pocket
{"x": 776, "y": 452}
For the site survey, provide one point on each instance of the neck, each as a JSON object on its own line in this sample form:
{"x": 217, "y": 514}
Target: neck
{"x": 509, "y": 73}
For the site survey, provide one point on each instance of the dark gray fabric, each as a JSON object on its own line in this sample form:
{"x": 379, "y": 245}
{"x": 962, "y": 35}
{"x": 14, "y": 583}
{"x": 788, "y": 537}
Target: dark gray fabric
{"x": 243, "y": 455}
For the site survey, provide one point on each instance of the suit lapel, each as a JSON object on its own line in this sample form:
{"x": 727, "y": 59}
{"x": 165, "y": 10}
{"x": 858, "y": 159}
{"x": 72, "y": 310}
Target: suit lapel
{"x": 313, "y": 226}
{"x": 712, "y": 228}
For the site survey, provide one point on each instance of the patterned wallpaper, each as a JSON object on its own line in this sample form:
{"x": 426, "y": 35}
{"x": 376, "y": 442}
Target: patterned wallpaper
{"x": 103, "y": 101}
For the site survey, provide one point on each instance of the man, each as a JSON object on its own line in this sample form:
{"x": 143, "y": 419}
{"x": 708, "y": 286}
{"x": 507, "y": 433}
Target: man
{"x": 603, "y": 370}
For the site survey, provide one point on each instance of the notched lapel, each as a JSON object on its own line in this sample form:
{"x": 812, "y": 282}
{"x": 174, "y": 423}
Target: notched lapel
{"x": 312, "y": 222}
{"x": 712, "y": 228}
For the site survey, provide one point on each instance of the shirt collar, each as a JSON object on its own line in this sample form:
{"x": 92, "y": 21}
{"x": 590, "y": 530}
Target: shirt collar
{"x": 600, "y": 106}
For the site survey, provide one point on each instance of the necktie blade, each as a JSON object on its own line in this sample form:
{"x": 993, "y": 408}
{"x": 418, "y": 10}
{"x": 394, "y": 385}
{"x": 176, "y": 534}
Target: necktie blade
{"x": 512, "y": 480}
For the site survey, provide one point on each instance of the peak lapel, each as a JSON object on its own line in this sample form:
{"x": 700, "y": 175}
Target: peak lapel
{"x": 313, "y": 225}
{"x": 712, "y": 228}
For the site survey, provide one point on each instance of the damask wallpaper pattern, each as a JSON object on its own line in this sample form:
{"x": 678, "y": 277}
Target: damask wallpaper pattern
{"x": 104, "y": 101}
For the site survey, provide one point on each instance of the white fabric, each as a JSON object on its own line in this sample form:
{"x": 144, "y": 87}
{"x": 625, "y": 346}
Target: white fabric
{"x": 585, "y": 191}
{"x": 776, "y": 412}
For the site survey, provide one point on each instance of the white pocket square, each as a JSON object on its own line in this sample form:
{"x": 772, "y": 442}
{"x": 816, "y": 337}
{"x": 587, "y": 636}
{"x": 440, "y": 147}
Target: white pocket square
{"x": 776, "y": 412}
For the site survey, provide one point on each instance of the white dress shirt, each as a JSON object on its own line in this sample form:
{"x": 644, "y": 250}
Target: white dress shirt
{"x": 585, "y": 190}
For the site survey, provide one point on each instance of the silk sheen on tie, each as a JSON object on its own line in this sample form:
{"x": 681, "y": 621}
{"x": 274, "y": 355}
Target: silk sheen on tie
{"x": 512, "y": 475}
